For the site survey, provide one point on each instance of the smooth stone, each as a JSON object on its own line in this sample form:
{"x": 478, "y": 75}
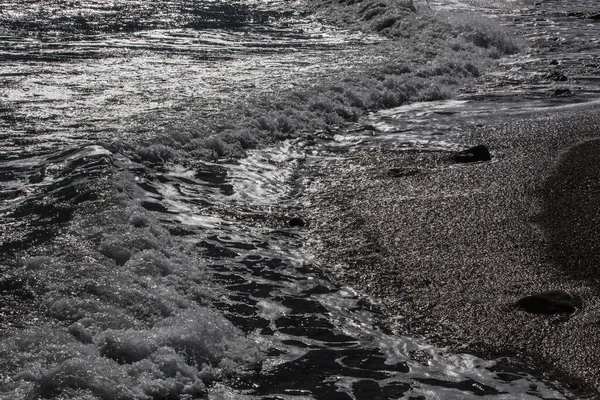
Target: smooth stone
{"x": 473, "y": 154}
{"x": 296, "y": 222}
{"x": 400, "y": 172}
{"x": 549, "y": 302}
{"x": 562, "y": 93}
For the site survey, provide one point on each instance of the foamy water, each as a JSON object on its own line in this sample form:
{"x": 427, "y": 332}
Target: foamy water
{"x": 149, "y": 176}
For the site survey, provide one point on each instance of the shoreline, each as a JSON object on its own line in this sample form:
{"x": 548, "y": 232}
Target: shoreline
{"x": 450, "y": 248}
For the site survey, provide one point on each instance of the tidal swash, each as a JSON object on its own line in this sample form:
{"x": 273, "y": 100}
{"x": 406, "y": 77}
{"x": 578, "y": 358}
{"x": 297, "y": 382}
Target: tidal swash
{"x": 149, "y": 169}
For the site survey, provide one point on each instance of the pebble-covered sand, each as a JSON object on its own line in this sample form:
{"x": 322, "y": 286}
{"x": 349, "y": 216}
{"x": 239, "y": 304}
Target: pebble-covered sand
{"x": 450, "y": 248}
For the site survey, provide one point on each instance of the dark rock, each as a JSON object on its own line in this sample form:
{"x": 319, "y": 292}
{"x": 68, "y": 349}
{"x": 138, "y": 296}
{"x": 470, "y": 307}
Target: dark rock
{"x": 594, "y": 16}
{"x": 296, "y": 222}
{"x": 549, "y": 302}
{"x": 560, "y": 92}
{"x": 474, "y": 154}
{"x": 400, "y": 172}
{"x": 554, "y": 62}
{"x": 385, "y": 23}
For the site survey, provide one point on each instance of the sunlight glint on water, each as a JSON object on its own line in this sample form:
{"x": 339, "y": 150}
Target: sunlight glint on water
{"x": 141, "y": 260}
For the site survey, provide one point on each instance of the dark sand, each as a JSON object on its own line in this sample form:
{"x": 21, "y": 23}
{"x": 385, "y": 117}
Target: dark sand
{"x": 452, "y": 247}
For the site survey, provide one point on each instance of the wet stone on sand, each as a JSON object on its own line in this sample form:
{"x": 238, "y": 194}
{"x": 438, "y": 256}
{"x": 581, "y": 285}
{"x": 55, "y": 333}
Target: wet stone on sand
{"x": 296, "y": 222}
{"x": 473, "y": 154}
{"x": 549, "y": 302}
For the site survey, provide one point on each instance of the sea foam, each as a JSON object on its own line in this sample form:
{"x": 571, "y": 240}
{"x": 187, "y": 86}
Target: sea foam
{"x": 408, "y": 54}
{"x": 172, "y": 359}
{"x": 124, "y": 314}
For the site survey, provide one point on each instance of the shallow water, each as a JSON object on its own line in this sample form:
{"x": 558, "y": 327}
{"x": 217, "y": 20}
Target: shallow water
{"x": 143, "y": 258}
{"x": 557, "y": 69}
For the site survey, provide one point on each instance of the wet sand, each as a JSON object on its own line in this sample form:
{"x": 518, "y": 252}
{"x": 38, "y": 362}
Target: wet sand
{"x": 449, "y": 248}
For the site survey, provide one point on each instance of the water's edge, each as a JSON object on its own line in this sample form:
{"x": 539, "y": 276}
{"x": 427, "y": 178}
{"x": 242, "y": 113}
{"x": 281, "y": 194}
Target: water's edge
{"x": 449, "y": 249}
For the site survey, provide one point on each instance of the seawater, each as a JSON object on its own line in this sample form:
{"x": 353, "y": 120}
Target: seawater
{"x": 149, "y": 171}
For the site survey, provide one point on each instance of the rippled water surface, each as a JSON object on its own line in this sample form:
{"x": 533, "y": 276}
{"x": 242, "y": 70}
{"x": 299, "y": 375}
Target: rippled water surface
{"x": 79, "y": 72}
{"x": 153, "y": 241}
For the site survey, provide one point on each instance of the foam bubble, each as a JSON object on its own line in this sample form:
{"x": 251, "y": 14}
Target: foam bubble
{"x": 174, "y": 357}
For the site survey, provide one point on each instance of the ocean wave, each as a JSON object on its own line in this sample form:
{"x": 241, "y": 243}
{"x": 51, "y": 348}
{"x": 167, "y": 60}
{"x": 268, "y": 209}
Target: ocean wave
{"x": 424, "y": 56}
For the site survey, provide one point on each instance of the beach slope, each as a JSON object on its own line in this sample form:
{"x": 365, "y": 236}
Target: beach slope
{"x": 451, "y": 248}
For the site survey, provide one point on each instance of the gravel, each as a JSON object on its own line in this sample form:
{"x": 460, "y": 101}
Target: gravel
{"x": 452, "y": 247}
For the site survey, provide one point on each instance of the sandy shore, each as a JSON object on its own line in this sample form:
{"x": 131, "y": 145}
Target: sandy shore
{"x": 451, "y": 247}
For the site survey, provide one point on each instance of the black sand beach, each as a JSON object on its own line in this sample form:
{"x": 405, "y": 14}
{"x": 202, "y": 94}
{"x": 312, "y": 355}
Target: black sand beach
{"x": 450, "y": 248}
